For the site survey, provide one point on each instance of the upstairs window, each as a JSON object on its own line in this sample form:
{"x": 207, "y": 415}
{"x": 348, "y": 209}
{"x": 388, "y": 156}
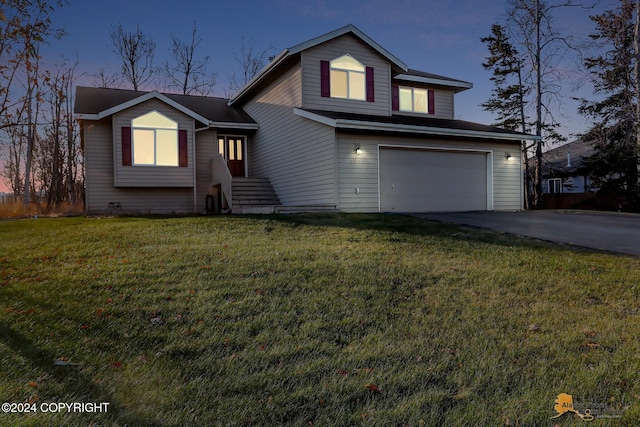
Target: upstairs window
{"x": 345, "y": 77}
{"x": 154, "y": 140}
{"x": 412, "y": 100}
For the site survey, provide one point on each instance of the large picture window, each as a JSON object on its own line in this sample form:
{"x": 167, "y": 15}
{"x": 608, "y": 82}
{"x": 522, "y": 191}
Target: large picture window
{"x": 154, "y": 140}
{"x": 347, "y": 78}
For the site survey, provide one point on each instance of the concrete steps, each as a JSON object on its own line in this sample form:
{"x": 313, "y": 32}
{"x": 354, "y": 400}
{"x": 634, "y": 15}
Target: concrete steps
{"x": 257, "y": 196}
{"x": 253, "y": 196}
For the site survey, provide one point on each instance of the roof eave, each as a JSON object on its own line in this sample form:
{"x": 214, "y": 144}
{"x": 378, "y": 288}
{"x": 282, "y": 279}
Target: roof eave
{"x": 83, "y": 116}
{"x": 138, "y": 100}
{"x": 457, "y": 85}
{"x": 386, "y": 127}
{"x": 258, "y": 77}
{"x": 403, "y": 128}
{"x": 234, "y": 125}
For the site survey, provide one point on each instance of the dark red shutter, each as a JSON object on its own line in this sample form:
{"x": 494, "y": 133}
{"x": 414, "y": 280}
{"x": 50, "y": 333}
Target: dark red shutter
{"x": 126, "y": 146}
{"x": 431, "y": 100}
{"x": 183, "y": 152}
{"x": 395, "y": 98}
{"x": 370, "y": 86}
{"x": 325, "y": 82}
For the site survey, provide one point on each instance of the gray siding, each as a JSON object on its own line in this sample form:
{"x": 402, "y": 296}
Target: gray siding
{"x": 296, "y": 154}
{"x": 361, "y": 171}
{"x": 152, "y": 176}
{"x": 206, "y": 148}
{"x": 335, "y": 48}
{"x": 98, "y": 160}
{"x": 507, "y": 178}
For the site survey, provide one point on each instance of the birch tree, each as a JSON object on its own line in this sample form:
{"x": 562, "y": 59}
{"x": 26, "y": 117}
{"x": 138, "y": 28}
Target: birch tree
{"x": 531, "y": 28}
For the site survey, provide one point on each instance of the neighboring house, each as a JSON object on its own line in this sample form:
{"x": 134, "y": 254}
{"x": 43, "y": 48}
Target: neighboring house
{"x": 565, "y": 179}
{"x": 563, "y": 168}
{"x": 335, "y": 123}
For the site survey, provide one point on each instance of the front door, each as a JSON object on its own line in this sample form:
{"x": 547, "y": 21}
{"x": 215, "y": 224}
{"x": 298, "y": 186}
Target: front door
{"x": 232, "y": 148}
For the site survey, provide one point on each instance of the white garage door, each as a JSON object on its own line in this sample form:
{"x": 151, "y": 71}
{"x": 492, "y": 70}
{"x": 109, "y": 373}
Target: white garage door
{"x": 432, "y": 180}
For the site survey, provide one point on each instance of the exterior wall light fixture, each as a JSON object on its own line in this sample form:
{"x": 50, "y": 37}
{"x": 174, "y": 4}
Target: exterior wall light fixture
{"x": 357, "y": 149}
{"x": 507, "y": 156}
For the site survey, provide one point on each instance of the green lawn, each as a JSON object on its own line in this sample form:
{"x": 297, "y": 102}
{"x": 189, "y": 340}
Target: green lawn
{"x": 324, "y": 320}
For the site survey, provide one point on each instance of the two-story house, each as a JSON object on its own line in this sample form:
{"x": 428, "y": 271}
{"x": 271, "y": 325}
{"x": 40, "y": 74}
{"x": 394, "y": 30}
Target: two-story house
{"x": 336, "y": 123}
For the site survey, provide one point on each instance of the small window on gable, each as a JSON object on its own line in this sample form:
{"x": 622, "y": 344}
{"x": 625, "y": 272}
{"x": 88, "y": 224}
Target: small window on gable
{"x": 154, "y": 140}
{"x": 348, "y": 78}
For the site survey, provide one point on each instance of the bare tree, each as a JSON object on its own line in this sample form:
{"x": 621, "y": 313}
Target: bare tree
{"x": 186, "y": 72}
{"x": 106, "y": 79}
{"x": 544, "y": 47}
{"x": 32, "y": 108}
{"x": 636, "y": 71}
{"x": 135, "y": 51}
{"x": 27, "y": 26}
{"x": 15, "y": 158}
{"x": 72, "y": 136}
{"x": 58, "y": 148}
{"x": 25, "y": 23}
{"x": 251, "y": 62}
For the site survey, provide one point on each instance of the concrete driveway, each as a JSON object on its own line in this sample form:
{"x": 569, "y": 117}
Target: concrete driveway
{"x": 609, "y": 231}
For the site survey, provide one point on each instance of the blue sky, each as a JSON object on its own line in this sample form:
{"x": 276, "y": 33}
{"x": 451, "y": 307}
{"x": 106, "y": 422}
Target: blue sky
{"x": 437, "y": 36}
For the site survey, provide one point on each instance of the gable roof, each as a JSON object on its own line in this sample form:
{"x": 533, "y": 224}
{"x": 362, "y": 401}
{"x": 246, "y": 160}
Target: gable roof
{"x": 289, "y": 52}
{"x": 567, "y": 158}
{"x": 96, "y": 103}
{"x": 345, "y": 30}
{"x": 411, "y": 125}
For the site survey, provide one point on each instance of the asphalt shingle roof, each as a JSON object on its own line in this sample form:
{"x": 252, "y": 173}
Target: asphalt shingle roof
{"x": 91, "y": 100}
{"x": 416, "y": 121}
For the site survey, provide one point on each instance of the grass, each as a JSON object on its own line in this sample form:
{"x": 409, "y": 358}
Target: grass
{"x": 304, "y": 320}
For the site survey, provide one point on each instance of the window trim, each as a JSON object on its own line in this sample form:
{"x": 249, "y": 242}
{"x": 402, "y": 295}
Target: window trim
{"x": 155, "y": 141}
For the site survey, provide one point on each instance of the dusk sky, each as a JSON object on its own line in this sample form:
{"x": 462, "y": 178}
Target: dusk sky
{"x": 437, "y": 36}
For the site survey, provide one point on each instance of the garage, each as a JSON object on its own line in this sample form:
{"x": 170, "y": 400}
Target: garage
{"x": 429, "y": 180}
